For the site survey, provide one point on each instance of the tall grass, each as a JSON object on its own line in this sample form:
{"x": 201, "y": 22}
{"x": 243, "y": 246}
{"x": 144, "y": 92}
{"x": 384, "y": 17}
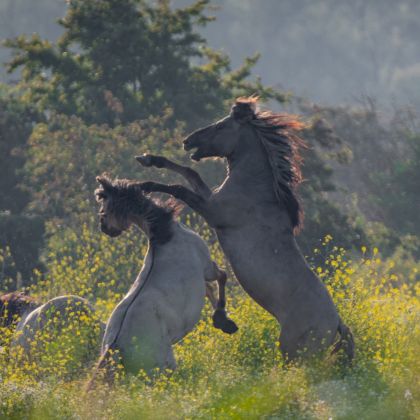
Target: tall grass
{"x": 239, "y": 376}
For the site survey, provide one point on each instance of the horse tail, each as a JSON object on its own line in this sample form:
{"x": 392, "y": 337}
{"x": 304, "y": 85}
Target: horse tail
{"x": 345, "y": 342}
{"x": 107, "y": 366}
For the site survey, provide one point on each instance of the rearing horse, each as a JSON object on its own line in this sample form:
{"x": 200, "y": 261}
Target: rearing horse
{"x": 165, "y": 301}
{"x": 255, "y": 213}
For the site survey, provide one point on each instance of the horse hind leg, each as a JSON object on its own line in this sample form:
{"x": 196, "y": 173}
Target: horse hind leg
{"x": 288, "y": 347}
{"x": 296, "y": 345}
{"x": 170, "y": 359}
{"x": 220, "y": 319}
{"x": 346, "y": 342}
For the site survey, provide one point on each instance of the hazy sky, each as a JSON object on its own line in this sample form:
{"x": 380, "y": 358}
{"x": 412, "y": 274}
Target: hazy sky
{"x": 331, "y": 51}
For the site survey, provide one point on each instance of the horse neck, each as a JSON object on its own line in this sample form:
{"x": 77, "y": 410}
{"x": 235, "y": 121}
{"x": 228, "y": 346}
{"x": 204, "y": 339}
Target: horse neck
{"x": 156, "y": 223}
{"x": 249, "y": 166}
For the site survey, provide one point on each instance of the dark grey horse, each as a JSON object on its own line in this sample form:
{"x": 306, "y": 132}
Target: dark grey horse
{"x": 255, "y": 213}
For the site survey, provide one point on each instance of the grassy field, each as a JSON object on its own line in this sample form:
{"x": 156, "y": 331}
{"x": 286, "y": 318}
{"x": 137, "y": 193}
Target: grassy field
{"x": 220, "y": 376}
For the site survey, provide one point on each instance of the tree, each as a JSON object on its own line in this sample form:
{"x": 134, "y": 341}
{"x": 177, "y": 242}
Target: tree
{"x": 119, "y": 62}
{"x": 65, "y": 155}
{"x": 398, "y": 190}
{"x": 122, "y": 60}
{"x": 16, "y": 121}
{"x": 21, "y": 232}
{"x": 323, "y": 216}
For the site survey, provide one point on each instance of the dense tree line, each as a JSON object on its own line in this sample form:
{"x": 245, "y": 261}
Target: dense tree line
{"x": 330, "y": 50}
{"x": 129, "y": 76}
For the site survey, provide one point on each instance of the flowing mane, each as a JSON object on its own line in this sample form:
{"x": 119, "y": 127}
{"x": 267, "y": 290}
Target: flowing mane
{"x": 128, "y": 198}
{"x": 276, "y": 132}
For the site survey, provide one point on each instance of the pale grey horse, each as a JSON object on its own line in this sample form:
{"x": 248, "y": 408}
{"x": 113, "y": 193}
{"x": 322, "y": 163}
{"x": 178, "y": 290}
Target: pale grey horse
{"x": 255, "y": 213}
{"x": 36, "y": 320}
{"x": 48, "y": 322}
{"x": 165, "y": 302}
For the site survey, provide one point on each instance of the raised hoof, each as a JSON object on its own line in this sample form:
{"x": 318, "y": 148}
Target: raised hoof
{"x": 222, "y": 322}
{"x": 145, "y": 160}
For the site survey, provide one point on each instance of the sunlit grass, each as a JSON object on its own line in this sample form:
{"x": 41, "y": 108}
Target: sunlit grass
{"x": 239, "y": 376}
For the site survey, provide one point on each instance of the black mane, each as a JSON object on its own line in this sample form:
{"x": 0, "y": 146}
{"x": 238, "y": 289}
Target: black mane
{"x": 276, "y": 133}
{"x": 128, "y": 198}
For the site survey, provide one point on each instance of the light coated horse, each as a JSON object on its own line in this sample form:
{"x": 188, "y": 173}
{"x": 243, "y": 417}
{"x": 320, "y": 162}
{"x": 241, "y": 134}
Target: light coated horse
{"x": 66, "y": 324}
{"x": 165, "y": 301}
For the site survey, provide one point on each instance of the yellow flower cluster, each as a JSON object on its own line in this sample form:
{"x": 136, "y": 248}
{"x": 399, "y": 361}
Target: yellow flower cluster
{"x": 220, "y": 376}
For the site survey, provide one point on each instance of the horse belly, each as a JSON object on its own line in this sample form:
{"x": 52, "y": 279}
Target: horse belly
{"x": 268, "y": 266}
{"x": 182, "y": 308}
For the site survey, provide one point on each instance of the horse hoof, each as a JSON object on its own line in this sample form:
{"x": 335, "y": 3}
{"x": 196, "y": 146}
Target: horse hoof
{"x": 229, "y": 327}
{"x": 144, "y": 160}
{"x": 222, "y": 322}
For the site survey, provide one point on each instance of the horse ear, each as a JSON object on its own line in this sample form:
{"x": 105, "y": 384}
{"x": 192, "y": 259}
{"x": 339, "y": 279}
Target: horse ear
{"x": 105, "y": 182}
{"x": 244, "y": 109}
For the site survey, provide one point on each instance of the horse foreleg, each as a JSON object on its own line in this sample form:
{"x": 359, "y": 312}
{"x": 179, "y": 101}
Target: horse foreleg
{"x": 192, "y": 177}
{"x": 220, "y": 318}
{"x": 193, "y": 200}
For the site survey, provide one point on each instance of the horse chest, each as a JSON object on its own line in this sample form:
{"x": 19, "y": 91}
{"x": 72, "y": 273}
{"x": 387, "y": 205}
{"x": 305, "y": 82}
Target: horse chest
{"x": 229, "y": 210}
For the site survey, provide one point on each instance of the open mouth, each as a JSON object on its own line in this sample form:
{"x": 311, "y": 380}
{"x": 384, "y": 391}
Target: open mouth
{"x": 195, "y": 156}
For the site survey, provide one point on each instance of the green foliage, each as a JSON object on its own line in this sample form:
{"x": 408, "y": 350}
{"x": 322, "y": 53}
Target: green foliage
{"x": 398, "y": 190}
{"x": 323, "y": 216}
{"x": 65, "y": 156}
{"x": 21, "y": 233}
{"x": 84, "y": 262}
{"x": 16, "y": 120}
{"x": 122, "y": 60}
{"x": 367, "y": 166}
{"x": 237, "y": 376}
{"x": 22, "y": 236}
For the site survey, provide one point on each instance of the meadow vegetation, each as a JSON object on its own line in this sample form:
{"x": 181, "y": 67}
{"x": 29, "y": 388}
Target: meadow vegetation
{"x": 223, "y": 376}
{"x": 83, "y": 106}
